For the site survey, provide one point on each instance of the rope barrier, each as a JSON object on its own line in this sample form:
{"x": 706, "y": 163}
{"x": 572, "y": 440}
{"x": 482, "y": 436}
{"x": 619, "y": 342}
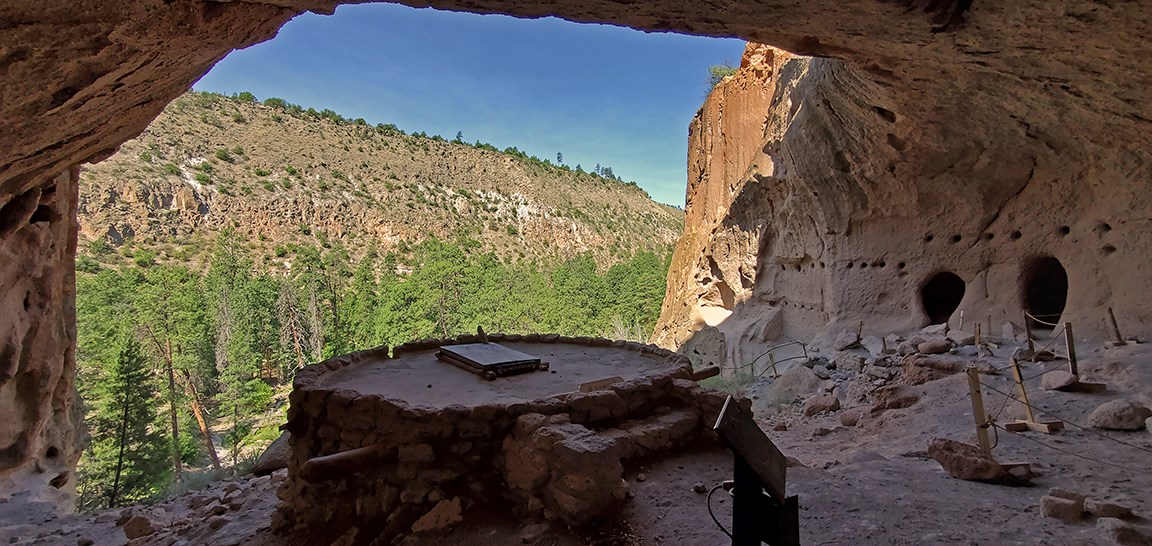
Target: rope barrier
{"x": 1052, "y": 324}
{"x": 1066, "y": 421}
{"x": 1072, "y": 453}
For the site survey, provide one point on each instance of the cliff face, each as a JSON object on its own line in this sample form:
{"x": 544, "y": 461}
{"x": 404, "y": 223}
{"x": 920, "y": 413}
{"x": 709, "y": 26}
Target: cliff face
{"x": 1027, "y": 122}
{"x": 816, "y": 202}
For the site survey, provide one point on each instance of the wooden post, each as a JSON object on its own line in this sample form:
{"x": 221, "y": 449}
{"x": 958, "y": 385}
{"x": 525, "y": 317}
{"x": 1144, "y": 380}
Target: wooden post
{"x": 977, "y": 334}
{"x": 1071, "y": 343}
{"x": 772, "y": 362}
{"x": 961, "y": 326}
{"x": 1030, "y": 422}
{"x": 978, "y": 412}
{"x": 1115, "y": 327}
{"x": 860, "y": 331}
{"x": 1028, "y": 334}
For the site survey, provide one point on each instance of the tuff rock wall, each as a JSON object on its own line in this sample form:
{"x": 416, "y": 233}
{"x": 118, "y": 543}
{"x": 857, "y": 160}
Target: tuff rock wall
{"x": 821, "y": 195}
{"x": 966, "y": 116}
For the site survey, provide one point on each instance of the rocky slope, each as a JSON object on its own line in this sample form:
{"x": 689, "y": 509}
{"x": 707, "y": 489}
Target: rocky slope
{"x": 281, "y": 175}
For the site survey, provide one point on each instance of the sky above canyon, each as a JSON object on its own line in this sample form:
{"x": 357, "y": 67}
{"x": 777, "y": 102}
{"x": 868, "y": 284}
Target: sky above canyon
{"x": 596, "y": 93}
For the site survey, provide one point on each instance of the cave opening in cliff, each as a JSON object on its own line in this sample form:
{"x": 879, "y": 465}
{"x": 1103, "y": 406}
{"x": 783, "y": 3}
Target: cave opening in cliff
{"x": 1045, "y": 291}
{"x": 941, "y": 296}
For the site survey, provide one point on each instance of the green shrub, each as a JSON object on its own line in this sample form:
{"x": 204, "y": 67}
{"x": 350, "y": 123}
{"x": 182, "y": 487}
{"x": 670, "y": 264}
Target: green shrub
{"x": 205, "y": 167}
{"x": 87, "y": 264}
{"x": 285, "y": 183}
{"x": 246, "y": 96}
{"x": 291, "y": 170}
{"x": 275, "y": 102}
{"x": 262, "y": 172}
{"x": 223, "y": 155}
{"x": 237, "y": 118}
{"x": 339, "y": 175}
{"x": 238, "y": 150}
{"x": 144, "y": 258}
{"x": 203, "y": 178}
{"x": 172, "y": 168}
{"x": 145, "y": 157}
{"x": 268, "y": 186}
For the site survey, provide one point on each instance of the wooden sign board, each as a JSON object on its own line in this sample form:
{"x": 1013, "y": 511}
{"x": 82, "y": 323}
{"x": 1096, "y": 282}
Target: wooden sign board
{"x": 600, "y": 384}
{"x": 744, "y": 437}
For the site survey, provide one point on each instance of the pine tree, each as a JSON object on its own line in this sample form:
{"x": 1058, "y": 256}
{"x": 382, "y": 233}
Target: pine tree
{"x": 126, "y": 460}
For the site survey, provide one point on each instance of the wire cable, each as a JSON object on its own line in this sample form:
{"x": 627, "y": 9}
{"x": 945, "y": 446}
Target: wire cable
{"x": 1072, "y": 453}
{"x": 710, "y": 513}
{"x": 1066, "y": 421}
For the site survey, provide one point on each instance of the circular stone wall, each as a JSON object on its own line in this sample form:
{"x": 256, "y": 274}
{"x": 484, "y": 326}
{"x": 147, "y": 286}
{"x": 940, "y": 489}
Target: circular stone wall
{"x": 385, "y": 446}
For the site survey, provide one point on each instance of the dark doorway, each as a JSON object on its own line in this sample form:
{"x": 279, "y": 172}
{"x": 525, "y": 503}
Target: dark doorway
{"x": 1045, "y": 291}
{"x": 941, "y": 295}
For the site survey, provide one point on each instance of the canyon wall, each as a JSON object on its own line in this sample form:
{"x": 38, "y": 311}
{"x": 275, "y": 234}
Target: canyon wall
{"x": 957, "y": 119}
{"x": 816, "y": 201}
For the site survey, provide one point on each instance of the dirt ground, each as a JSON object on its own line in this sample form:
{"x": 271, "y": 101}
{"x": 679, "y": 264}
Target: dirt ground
{"x": 868, "y": 484}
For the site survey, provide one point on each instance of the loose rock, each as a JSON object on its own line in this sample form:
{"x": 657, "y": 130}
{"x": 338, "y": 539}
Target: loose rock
{"x": 1120, "y": 415}
{"x": 965, "y": 462}
{"x": 820, "y": 404}
{"x": 935, "y": 346}
{"x": 1059, "y": 380}
{"x": 1105, "y": 509}
{"x": 1061, "y": 508}
{"x": 1121, "y": 533}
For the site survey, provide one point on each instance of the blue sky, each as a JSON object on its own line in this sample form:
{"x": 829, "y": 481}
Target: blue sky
{"x": 596, "y": 93}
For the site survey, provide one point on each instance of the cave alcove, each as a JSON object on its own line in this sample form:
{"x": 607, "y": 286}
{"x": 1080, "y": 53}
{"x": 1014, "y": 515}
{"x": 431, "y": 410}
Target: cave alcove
{"x": 1045, "y": 291}
{"x": 941, "y": 296}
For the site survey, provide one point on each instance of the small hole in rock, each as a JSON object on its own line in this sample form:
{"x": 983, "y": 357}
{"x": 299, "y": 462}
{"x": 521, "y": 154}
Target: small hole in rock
{"x": 928, "y": 238}
{"x": 1108, "y": 249}
{"x": 849, "y": 265}
{"x": 1015, "y": 235}
{"x": 881, "y": 264}
{"x": 863, "y": 265}
{"x": 52, "y": 452}
{"x": 900, "y": 265}
{"x": 1105, "y": 226}
{"x": 956, "y": 238}
{"x": 1065, "y": 230}
{"x": 988, "y": 236}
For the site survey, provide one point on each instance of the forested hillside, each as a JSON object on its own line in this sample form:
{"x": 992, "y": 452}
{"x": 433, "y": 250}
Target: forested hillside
{"x": 188, "y": 340}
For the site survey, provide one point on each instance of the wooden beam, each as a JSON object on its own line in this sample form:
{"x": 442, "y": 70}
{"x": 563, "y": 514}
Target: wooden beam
{"x": 343, "y": 464}
{"x": 705, "y": 373}
{"x": 744, "y": 437}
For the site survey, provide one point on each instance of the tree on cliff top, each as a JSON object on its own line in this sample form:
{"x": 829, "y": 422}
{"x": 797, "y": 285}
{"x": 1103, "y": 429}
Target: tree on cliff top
{"x": 717, "y": 73}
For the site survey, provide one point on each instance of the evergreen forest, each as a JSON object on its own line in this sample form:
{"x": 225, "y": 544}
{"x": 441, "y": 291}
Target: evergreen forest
{"x": 184, "y": 372}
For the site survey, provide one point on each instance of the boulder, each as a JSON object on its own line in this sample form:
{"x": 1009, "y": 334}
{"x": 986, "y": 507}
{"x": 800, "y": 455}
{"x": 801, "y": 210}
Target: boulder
{"x": 792, "y": 383}
{"x": 1121, "y": 533}
{"x": 965, "y": 462}
{"x": 935, "y": 346}
{"x": 820, "y": 404}
{"x": 821, "y": 372}
{"x": 445, "y": 513}
{"x": 849, "y": 362}
{"x": 962, "y": 338}
{"x": 275, "y": 456}
{"x": 851, "y": 417}
{"x": 845, "y": 339}
{"x": 1061, "y": 508}
{"x": 873, "y": 345}
{"x": 1120, "y": 415}
{"x": 138, "y": 526}
{"x": 1105, "y": 509}
{"x": 1059, "y": 380}
{"x": 935, "y": 329}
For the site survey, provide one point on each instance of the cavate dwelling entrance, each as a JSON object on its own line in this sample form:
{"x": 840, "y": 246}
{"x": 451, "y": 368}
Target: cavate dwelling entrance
{"x": 941, "y": 295}
{"x": 1045, "y": 291}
